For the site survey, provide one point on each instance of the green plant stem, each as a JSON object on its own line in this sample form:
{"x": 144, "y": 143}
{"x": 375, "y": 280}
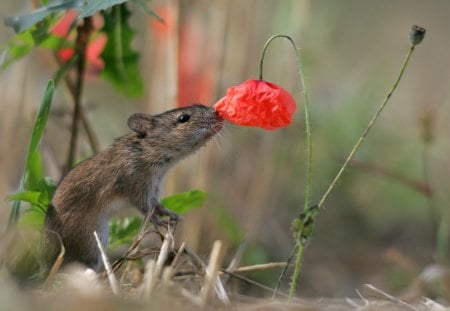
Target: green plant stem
{"x": 38, "y": 130}
{"x": 298, "y": 261}
{"x": 297, "y": 268}
{"x": 366, "y": 131}
{"x": 283, "y": 272}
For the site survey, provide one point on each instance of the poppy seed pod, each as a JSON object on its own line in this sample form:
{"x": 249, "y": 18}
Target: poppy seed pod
{"x": 257, "y": 103}
{"x": 416, "y": 35}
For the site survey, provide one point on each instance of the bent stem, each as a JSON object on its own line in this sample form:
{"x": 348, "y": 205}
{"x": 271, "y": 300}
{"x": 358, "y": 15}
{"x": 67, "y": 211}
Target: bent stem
{"x": 303, "y": 226}
{"x": 297, "y": 234}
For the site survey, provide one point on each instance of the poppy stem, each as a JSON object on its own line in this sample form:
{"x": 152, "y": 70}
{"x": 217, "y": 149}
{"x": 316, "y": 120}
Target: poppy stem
{"x": 366, "y": 131}
{"x": 298, "y": 249}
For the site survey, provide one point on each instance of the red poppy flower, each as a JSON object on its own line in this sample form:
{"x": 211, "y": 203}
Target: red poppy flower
{"x": 257, "y": 103}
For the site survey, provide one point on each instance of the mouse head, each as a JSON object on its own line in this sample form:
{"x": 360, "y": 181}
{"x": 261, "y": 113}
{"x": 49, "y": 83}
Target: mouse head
{"x": 181, "y": 130}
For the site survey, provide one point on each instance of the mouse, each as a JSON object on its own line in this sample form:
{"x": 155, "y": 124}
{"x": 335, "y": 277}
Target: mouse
{"x": 129, "y": 171}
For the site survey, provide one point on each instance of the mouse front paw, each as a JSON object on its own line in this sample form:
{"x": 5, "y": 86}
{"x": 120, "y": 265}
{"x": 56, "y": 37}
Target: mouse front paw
{"x": 159, "y": 215}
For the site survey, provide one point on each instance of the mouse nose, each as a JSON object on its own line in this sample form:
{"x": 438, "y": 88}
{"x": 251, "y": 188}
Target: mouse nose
{"x": 217, "y": 115}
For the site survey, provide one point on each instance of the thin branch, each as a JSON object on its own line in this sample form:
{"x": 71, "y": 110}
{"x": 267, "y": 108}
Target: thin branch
{"x": 419, "y": 186}
{"x": 111, "y": 277}
{"x": 259, "y": 267}
{"x": 92, "y": 138}
{"x": 368, "y": 128}
{"x": 82, "y": 40}
{"x": 250, "y": 281}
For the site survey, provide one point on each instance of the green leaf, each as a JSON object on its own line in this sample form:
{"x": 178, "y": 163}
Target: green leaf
{"x": 41, "y": 120}
{"x": 121, "y": 62}
{"x": 123, "y": 230}
{"x": 26, "y": 21}
{"x": 93, "y": 6}
{"x": 47, "y": 187}
{"x": 19, "y": 46}
{"x": 33, "y": 217}
{"x": 34, "y": 172}
{"x": 38, "y": 129}
{"x": 64, "y": 69}
{"x": 31, "y": 197}
{"x": 182, "y": 202}
{"x": 40, "y": 197}
{"x": 143, "y": 5}
{"x": 22, "y": 43}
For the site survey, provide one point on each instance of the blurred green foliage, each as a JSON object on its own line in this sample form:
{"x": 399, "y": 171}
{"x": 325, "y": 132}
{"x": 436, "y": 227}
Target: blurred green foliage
{"x": 123, "y": 230}
{"x": 33, "y": 186}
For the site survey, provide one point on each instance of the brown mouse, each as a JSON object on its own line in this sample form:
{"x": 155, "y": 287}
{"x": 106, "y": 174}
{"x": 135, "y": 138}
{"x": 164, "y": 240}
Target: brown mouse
{"x": 128, "y": 172}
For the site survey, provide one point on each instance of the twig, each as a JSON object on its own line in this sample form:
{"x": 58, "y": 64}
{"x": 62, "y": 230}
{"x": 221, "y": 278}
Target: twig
{"x": 178, "y": 254}
{"x": 82, "y": 40}
{"x": 92, "y": 138}
{"x": 259, "y": 267}
{"x": 154, "y": 269}
{"x": 233, "y": 266}
{"x": 250, "y": 281}
{"x": 149, "y": 279}
{"x": 163, "y": 253}
{"x": 58, "y": 262}
{"x": 221, "y": 294}
{"x": 378, "y": 293}
{"x": 137, "y": 240}
{"x": 211, "y": 272}
{"x": 422, "y": 187}
{"x": 283, "y": 272}
{"x": 196, "y": 259}
{"x": 111, "y": 277}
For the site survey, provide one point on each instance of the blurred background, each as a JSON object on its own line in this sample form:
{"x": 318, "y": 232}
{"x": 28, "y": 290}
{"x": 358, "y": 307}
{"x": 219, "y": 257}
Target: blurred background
{"x": 387, "y": 220}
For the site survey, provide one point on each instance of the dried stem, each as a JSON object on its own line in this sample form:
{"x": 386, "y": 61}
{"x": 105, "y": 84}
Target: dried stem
{"x": 250, "y": 281}
{"x": 82, "y": 40}
{"x": 111, "y": 277}
{"x": 211, "y": 271}
{"x": 92, "y": 138}
{"x": 258, "y": 267}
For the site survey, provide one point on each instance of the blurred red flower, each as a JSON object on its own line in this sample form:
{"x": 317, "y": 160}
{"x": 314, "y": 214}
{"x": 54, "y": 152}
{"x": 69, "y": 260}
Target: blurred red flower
{"x": 195, "y": 69}
{"x": 94, "y": 48}
{"x": 257, "y": 103}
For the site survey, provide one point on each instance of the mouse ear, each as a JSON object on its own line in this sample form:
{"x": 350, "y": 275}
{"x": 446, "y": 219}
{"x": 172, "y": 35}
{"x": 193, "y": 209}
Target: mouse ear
{"x": 140, "y": 123}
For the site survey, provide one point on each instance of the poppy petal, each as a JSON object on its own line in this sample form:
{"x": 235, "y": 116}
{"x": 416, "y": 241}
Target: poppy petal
{"x": 257, "y": 103}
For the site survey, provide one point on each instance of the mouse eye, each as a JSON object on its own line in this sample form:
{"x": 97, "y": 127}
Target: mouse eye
{"x": 183, "y": 118}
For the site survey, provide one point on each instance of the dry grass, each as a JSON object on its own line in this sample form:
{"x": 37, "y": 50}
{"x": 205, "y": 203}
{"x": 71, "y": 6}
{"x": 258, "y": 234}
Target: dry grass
{"x": 176, "y": 278}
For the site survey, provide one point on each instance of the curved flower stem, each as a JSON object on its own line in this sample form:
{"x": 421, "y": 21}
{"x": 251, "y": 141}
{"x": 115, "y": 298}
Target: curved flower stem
{"x": 366, "y": 131}
{"x": 299, "y": 244}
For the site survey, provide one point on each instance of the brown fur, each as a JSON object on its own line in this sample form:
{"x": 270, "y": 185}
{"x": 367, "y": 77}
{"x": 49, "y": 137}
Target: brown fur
{"x": 130, "y": 170}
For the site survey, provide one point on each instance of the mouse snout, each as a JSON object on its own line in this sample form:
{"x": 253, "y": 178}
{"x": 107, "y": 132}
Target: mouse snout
{"x": 217, "y": 124}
